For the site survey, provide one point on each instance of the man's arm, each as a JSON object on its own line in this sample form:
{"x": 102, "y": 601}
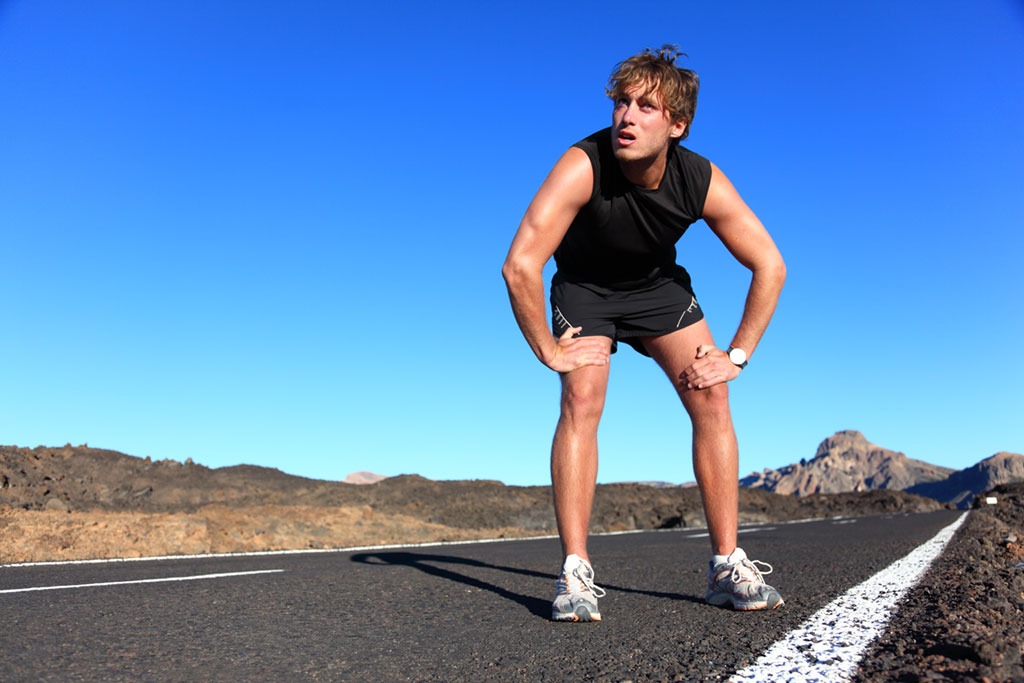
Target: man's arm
{"x": 747, "y": 240}
{"x": 564, "y": 192}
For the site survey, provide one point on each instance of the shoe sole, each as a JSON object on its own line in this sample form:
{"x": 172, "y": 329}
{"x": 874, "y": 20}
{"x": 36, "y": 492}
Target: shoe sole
{"x": 582, "y": 613}
{"x": 723, "y": 599}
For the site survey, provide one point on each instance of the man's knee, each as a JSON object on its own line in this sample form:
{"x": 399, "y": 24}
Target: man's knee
{"x": 583, "y": 400}
{"x": 711, "y": 403}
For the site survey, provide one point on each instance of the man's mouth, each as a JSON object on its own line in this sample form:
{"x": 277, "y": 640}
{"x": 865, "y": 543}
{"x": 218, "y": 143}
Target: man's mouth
{"x": 625, "y": 137}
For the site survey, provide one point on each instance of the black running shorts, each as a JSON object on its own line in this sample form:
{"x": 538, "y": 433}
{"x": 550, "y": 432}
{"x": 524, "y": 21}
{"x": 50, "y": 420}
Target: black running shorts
{"x": 666, "y": 305}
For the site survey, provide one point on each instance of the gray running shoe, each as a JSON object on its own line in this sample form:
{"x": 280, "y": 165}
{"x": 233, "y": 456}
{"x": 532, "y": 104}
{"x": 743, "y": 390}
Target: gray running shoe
{"x": 575, "y": 592}
{"x": 740, "y": 581}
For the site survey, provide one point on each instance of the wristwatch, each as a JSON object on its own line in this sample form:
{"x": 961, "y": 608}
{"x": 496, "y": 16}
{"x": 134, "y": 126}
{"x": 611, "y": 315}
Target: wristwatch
{"x": 737, "y": 356}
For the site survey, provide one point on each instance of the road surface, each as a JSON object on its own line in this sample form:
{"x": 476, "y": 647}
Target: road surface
{"x": 466, "y": 612}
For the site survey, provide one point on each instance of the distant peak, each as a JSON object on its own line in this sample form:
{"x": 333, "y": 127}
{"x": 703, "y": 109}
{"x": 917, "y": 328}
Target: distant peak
{"x": 843, "y": 440}
{"x": 363, "y": 478}
{"x": 1002, "y": 455}
{"x": 847, "y": 436}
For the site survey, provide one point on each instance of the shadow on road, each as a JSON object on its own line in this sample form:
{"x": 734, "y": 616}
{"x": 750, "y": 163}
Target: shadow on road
{"x": 541, "y": 607}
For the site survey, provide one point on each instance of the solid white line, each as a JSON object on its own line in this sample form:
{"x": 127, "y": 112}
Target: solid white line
{"x": 829, "y": 646}
{"x": 198, "y": 577}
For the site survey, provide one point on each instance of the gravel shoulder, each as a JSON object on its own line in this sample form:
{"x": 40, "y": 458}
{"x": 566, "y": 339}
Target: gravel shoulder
{"x": 965, "y": 620}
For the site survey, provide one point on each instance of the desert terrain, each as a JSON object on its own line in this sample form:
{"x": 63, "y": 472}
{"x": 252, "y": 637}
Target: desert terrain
{"x": 75, "y": 503}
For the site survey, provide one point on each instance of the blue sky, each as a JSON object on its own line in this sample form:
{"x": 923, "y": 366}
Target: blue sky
{"x": 271, "y": 232}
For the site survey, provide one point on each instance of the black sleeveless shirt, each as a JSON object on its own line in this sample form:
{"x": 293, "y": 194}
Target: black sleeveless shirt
{"x": 625, "y": 236}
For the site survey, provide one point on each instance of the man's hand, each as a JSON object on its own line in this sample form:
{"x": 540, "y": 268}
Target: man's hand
{"x": 572, "y": 353}
{"x": 711, "y": 367}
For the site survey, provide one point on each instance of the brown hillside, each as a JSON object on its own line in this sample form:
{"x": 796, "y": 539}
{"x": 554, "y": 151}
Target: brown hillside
{"x": 84, "y": 502}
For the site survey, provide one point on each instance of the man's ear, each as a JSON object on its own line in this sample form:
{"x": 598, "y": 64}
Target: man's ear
{"x": 678, "y": 129}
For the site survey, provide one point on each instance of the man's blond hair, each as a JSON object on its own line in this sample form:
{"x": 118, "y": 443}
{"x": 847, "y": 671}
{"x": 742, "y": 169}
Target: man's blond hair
{"x": 655, "y": 72}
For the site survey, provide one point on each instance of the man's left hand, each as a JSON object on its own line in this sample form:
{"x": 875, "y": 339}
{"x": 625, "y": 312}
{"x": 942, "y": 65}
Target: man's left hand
{"x": 711, "y": 367}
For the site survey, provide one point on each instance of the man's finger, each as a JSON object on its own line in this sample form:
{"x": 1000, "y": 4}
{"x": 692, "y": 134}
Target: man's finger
{"x": 568, "y": 334}
{"x": 704, "y": 349}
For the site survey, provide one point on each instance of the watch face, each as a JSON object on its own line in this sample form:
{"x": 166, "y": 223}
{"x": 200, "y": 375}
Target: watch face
{"x": 738, "y": 356}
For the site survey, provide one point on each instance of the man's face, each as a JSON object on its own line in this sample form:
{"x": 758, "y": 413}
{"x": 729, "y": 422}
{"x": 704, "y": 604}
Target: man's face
{"x": 641, "y": 127}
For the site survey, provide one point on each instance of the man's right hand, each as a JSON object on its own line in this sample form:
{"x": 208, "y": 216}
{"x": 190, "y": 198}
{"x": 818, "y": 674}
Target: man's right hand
{"x": 576, "y": 352}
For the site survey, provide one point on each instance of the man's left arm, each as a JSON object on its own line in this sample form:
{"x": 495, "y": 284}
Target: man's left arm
{"x": 748, "y": 241}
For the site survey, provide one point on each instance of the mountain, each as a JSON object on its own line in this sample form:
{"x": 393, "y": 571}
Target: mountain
{"x": 847, "y": 461}
{"x": 961, "y": 487}
{"x": 363, "y": 478}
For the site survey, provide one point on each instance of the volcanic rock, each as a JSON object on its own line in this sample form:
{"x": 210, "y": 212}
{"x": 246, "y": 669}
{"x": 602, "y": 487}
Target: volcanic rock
{"x": 845, "y": 462}
{"x": 963, "y": 622}
{"x": 960, "y": 488}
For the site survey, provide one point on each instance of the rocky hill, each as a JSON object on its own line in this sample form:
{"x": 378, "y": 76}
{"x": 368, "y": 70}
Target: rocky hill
{"x": 961, "y": 487}
{"x": 847, "y": 461}
{"x": 82, "y": 478}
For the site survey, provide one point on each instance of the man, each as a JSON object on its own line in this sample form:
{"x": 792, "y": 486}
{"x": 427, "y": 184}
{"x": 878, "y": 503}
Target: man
{"x": 610, "y": 212}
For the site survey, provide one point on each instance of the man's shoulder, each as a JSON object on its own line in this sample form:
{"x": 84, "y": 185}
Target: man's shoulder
{"x": 692, "y": 165}
{"x": 688, "y": 156}
{"x": 598, "y": 148}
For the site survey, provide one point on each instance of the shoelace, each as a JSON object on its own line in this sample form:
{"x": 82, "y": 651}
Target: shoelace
{"x": 587, "y": 579}
{"x": 752, "y": 566}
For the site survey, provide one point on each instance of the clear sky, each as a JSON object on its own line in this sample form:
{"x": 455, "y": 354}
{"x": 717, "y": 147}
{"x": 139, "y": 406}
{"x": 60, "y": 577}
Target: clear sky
{"x": 271, "y": 232}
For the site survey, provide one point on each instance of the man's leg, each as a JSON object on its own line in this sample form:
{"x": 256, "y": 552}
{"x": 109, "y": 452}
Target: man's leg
{"x": 715, "y": 451}
{"x": 574, "y": 454}
{"x": 732, "y": 579}
{"x": 573, "y": 477}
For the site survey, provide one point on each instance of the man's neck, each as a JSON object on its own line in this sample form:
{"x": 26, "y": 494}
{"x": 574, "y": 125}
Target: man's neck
{"x": 646, "y": 173}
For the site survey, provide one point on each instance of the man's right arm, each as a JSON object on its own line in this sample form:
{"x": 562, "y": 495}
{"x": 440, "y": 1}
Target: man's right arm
{"x": 564, "y": 192}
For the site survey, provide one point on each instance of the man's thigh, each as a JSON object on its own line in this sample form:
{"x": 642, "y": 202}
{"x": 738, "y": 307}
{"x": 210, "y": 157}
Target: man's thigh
{"x": 676, "y": 351}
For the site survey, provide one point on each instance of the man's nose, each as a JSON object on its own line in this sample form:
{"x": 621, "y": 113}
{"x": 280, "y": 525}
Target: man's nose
{"x": 628, "y": 115}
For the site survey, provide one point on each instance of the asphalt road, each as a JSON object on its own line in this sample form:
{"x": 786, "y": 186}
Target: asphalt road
{"x": 443, "y": 613}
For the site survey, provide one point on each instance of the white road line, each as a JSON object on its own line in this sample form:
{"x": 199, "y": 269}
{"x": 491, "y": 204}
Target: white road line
{"x": 741, "y": 531}
{"x": 198, "y": 577}
{"x": 829, "y": 646}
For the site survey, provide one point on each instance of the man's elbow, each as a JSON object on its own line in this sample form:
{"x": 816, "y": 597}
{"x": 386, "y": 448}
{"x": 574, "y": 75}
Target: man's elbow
{"x": 772, "y": 269}
{"x": 780, "y": 271}
{"x": 508, "y": 270}
{"x": 521, "y": 265}
{"x": 513, "y": 270}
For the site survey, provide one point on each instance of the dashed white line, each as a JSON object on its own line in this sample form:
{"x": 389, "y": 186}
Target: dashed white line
{"x": 198, "y": 577}
{"x": 705, "y": 534}
{"x": 829, "y": 645}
